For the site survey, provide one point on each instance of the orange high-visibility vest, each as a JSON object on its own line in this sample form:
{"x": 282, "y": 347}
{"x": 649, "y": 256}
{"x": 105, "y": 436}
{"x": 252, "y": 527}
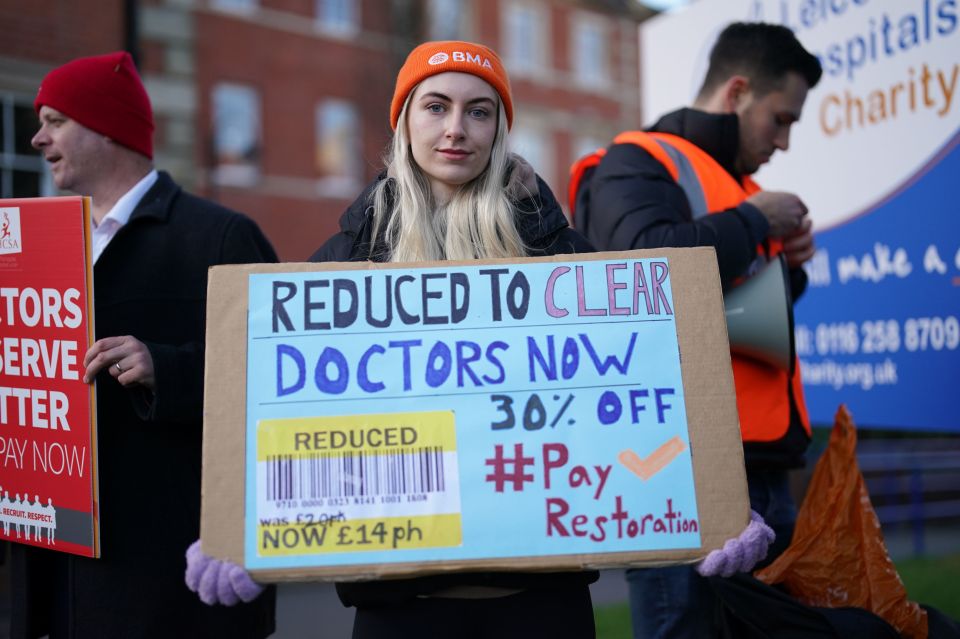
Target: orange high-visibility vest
{"x": 762, "y": 398}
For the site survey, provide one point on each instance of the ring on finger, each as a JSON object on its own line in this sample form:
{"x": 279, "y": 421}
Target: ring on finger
{"x": 117, "y": 366}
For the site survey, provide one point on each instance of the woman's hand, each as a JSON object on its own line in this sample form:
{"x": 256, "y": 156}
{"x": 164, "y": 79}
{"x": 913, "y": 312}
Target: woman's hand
{"x": 218, "y": 581}
{"x": 740, "y": 554}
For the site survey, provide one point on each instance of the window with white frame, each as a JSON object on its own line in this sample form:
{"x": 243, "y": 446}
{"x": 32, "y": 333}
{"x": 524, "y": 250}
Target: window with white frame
{"x": 23, "y": 173}
{"x": 525, "y": 38}
{"x": 236, "y": 134}
{"x": 338, "y": 148}
{"x": 339, "y": 16}
{"x": 445, "y": 18}
{"x": 535, "y": 146}
{"x": 589, "y": 50}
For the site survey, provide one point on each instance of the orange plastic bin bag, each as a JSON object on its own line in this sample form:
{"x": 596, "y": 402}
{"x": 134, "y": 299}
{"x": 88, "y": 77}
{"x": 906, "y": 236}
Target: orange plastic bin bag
{"x": 837, "y": 557}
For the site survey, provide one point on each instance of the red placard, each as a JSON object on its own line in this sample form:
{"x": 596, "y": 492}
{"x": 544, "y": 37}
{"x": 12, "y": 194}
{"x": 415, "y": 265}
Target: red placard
{"x": 48, "y": 457}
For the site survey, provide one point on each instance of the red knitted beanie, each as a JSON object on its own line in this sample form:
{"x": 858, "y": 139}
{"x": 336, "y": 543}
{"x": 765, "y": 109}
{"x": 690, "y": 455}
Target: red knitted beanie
{"x": 103, "y": 93}
{"x": 432, "y": 58}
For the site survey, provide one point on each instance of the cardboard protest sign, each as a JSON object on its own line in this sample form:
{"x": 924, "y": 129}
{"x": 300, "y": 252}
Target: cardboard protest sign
{"x": 48, "y": 471}
{"x": 510, "y": 414}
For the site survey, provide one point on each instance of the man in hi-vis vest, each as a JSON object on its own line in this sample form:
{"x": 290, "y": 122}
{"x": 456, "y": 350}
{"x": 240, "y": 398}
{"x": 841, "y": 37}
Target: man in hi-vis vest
{"x": 685, "y": 182}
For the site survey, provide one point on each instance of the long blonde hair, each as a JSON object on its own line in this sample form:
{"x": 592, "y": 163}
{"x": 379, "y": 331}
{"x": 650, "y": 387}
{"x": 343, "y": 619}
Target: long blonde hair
{"x": 477, "y": 222}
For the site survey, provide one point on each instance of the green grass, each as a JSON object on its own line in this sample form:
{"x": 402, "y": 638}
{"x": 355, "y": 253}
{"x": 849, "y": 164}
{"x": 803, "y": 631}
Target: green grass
{"x": 613, "y": 622}
{"x": 934, "y": 581}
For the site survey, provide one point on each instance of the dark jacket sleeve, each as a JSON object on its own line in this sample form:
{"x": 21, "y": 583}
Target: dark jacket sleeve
{"x": 335, "y": 249}
{"x": 178, "y": 369}
{"x": 566, "y": 241}
{"x": 354, "y": 238}
{"x": 545, "y": 228}
{"x": 635, "y": 203}
{"x": 244, "y": 243}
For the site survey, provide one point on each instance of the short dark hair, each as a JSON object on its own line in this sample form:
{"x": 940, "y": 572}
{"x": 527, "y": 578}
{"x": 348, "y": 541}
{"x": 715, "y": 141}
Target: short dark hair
{"x": 764, "y": 53}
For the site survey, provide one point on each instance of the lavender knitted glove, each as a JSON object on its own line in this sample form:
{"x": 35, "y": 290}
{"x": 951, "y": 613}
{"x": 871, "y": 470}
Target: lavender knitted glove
{"x": 740, "y": 554}
{"x": 218, "y": 582}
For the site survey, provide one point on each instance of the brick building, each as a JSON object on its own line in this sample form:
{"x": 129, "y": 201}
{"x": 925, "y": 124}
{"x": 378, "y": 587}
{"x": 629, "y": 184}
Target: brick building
{"x": 278, "y": 108}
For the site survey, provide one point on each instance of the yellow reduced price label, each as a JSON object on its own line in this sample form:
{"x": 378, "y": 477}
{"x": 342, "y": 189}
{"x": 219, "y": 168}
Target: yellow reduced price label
{"x": 370, "y": 434}
{"x": 357, "y": 483}
{"x": 359, "y": 535}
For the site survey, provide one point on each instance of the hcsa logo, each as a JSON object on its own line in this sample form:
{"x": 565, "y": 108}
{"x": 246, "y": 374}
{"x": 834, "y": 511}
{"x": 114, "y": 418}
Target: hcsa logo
{"x": 460, "y": 56}
{"x": 10, "y": 240}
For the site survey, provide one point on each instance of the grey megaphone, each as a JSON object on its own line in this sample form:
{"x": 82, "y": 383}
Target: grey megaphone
{"x": 760, "y": 316}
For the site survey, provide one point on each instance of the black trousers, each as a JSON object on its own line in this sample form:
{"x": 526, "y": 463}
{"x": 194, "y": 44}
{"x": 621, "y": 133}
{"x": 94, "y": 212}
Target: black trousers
{"x": 562, "y": 612}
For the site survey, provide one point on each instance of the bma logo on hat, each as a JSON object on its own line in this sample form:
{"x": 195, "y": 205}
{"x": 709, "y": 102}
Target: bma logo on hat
{"x": 10, "y": 240}
{"x": 438, "y": 58}
{"x": 466, "y": 56}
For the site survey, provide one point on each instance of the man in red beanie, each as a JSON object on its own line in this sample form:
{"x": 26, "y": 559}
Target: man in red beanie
{"x": 152, "y": 246}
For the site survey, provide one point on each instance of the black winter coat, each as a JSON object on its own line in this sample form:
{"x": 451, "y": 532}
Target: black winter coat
{"x": 151, "y": 283}
{"x": 543, "y": 227}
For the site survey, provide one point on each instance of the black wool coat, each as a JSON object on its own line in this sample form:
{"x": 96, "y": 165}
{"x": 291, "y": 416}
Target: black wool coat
{"x": 151, "y": 283}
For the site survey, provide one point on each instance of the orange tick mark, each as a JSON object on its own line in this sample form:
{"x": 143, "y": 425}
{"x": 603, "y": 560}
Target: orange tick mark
{"x": 655, "y": 461}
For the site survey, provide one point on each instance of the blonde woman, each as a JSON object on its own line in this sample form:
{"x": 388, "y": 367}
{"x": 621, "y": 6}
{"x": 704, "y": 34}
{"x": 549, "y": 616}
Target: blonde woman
{"x": 451, "y": 191}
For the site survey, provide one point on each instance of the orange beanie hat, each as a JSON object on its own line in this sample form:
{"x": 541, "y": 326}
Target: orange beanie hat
{"x": 431, "y": 58}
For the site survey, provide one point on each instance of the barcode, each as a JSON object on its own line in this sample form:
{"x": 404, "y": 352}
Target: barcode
{"x": 322, "y": 475}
